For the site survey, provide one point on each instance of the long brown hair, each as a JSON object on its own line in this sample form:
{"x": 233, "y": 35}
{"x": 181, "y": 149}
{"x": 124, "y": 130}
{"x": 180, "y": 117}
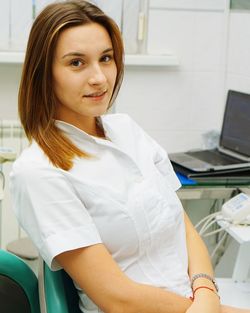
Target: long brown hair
{"x": 36, "y": 98}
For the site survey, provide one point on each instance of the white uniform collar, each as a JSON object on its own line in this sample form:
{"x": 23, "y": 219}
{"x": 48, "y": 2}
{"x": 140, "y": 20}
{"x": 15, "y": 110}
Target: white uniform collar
{"x": 72, "y": 130}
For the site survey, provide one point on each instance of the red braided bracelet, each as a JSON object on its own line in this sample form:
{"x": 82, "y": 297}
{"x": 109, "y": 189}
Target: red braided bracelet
{"x": 204, "y": 287}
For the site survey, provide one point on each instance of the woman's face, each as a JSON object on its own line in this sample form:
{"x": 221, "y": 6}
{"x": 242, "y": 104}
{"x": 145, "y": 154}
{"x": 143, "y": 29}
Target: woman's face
{"x": 84, "y": 73}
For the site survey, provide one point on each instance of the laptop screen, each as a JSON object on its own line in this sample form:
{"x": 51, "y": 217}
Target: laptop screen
{"x": 235, "y": 134}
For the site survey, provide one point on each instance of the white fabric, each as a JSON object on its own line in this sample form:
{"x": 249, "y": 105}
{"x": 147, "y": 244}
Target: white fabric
{"x": 124, "y": 196}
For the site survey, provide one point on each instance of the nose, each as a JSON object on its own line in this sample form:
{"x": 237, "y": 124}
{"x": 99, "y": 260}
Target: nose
{"x": 97, "y": 75}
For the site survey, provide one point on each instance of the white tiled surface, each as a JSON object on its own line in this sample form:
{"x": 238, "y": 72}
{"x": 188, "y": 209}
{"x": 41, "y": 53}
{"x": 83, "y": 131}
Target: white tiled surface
{"x": 208, "y": 49}
{"x": 172, "y": 31}
{"x": 195, "y": 37}
{"x": 238, "y": 70}
{"x": 176, "y": 119}
{"x": 177, "y": 105}
{"x": 239, "y": 44}
{"x": 189, "y": 4}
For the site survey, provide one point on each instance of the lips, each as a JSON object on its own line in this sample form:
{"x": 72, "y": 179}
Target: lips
{"x": 96, "y": 94}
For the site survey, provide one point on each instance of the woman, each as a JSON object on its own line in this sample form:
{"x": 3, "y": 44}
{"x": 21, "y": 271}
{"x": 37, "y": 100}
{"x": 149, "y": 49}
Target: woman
{"x": 93, "y": 191}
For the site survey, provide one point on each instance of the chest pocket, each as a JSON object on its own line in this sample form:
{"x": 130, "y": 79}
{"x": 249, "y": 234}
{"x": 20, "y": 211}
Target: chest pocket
{"x": 161, "y": 206}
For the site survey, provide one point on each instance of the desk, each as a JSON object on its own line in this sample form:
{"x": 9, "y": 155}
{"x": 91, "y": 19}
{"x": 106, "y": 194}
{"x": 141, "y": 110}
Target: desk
{"x": 209, "y": 192}
{"x": 192, "y": 190}
{"x": 234, "y": 294}
{"x": 220, "y": 194}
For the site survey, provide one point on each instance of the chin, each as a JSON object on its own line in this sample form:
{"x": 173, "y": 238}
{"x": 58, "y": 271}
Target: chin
{"x": 102, "y": 110}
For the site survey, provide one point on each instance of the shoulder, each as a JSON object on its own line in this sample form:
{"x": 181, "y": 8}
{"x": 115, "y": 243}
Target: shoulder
{"x": 31, "y": 162}
{"x": 31, "y": 157}
{"x": 121, "y": 123}
{"x": 117, "y": 118}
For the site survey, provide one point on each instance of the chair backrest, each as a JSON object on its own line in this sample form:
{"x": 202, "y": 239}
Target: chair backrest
{"x": 57, "y": 291}
{"x": 18, "y": 285}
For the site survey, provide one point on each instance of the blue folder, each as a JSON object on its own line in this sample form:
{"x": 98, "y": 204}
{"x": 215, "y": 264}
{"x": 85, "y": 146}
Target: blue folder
{"x": 185, "y": 181}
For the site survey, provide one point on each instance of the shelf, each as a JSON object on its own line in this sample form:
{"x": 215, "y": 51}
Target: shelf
{"x": 130, "y": 60}
{"x": 11, "y": 57}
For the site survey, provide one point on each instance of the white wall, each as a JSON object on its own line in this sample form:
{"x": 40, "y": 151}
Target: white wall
{"x": 176, "y": 105}
{"x": 238, "y": 67}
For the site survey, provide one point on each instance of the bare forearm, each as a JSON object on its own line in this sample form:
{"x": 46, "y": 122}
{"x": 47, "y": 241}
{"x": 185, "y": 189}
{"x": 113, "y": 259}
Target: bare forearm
{"x": 199, "y": 259}
{"x": 98, "y": 275}
{"x": 205, "y": 298}
{"x": 148, "y": 299}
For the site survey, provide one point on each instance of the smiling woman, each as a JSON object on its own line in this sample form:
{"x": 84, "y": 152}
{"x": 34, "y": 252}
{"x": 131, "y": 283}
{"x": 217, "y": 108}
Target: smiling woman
{"x": 95, "y": 193}
{"x": 58, "y": 57}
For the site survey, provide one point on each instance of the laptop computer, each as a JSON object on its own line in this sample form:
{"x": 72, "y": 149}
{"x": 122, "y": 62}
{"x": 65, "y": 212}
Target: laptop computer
{"x": 233, "y": 151}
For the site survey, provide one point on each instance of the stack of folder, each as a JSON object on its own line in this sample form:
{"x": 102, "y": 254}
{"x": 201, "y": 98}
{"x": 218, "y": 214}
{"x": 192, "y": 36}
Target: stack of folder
{"x": 238, "y": 176}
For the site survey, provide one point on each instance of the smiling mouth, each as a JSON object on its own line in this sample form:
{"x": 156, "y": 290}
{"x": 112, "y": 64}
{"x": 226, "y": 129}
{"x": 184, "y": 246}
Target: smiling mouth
{"x": 96, "y": 94}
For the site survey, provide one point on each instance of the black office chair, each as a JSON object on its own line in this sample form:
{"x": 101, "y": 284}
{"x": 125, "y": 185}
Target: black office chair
{"x": 18, "y": 285}
{"x": 57, "y": 291}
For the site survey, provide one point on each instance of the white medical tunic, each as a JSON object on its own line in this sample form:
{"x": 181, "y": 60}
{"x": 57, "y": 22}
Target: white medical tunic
{"x": 123, "y": 196}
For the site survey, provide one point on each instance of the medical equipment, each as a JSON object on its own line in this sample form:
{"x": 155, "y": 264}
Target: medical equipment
{"x": 234, "y": 211}
{"x": 237, "y": 209}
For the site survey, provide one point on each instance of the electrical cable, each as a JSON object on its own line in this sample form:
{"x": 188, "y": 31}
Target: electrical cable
{"x": 215, "y": 231}
{"x": 207, "y": 226}
{"x": 209, "y": 223}
{"x": 204, "y": 219}
{"x": 213, "y": 207}
{"x": 222, "y": 249}
{"x": 218, "y": 244}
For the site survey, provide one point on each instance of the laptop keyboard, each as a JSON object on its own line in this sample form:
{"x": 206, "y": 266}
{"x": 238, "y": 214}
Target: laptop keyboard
{"x": 214, "y": 157}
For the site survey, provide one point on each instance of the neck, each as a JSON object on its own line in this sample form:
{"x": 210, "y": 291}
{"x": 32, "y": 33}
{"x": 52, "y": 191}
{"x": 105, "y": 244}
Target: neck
{"x": 91, "y": 126}
{"x": 99, "y": 129}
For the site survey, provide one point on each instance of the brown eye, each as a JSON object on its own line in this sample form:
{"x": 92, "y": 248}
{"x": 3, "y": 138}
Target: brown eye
{"x": 107, "y": 58}
{"x": 76, "y": 63}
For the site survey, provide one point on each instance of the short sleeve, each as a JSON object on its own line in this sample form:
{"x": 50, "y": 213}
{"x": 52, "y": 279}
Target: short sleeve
{"x": 49, "y": 210}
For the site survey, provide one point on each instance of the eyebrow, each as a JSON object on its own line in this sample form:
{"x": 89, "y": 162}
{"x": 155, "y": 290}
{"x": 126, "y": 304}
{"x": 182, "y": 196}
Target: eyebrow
{"x": 79, "y": 54}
